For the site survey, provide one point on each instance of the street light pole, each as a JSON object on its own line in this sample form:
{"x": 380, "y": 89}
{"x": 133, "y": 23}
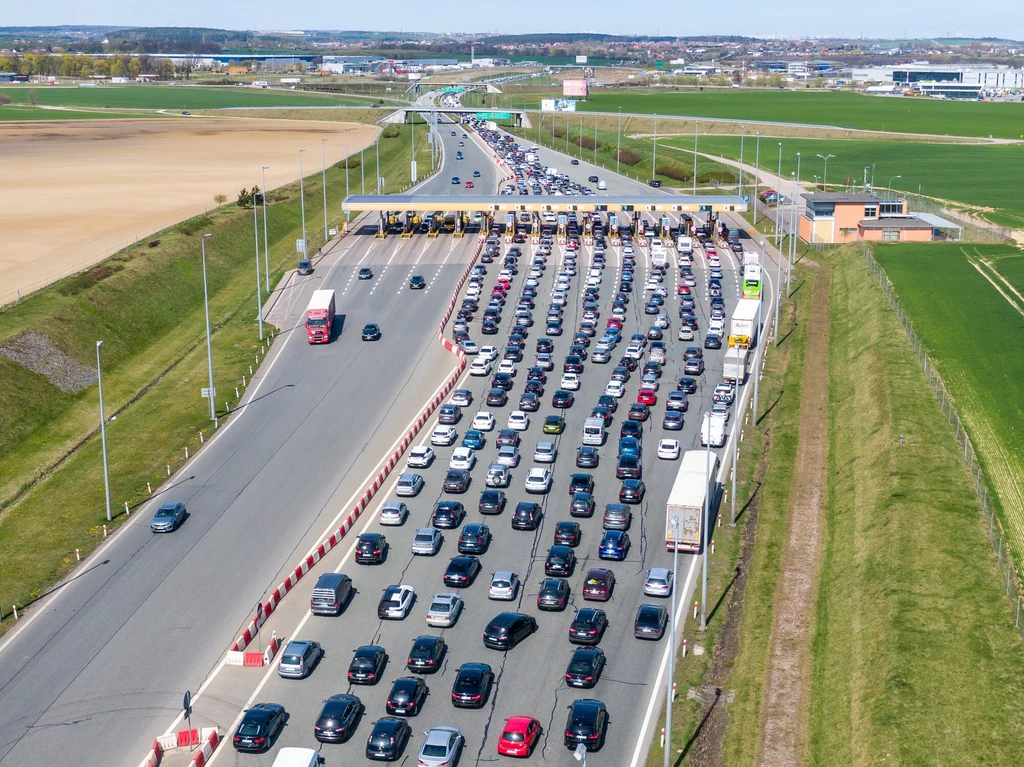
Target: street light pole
{"x": 595, "y": 138}
{"x": 889, "y": 185}
{"x": 672, "y": 642}
{"x": 209, "y": 343}
{"x": 362, "y": 164}
{"x": 302, "y": 204}
{"x": 266, "y": 241}
{"x": 824, "y": 177}
{"x": 757, "y": 159}
{"x": 348, "y": 215}
{"x": 103, "y": 429}
{"x": 323, "y": 161}
{"x": 695, "y": 126}
{"x": 259, "y": 298}
{"x": 743, "y": 132}
{"x": 618, "y": 141}
{"x": 778, "y": 208}
{"x": 792, "y": 250}
{"x": 757, "y": 348}
{"x": 376, "y": 147}
{"x": 654, "y": 155}
{"x": 704, "y": 533}
{"x": 735, "y": 462}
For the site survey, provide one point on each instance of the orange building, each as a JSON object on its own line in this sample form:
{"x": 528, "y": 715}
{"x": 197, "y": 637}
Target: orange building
{"x": 836, "y": 217}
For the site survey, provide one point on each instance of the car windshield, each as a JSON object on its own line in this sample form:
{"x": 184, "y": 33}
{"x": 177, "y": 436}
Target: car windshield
{"x": 430, "y": 750}
{"x": 165, "y": 513}
{"x": 317, "y": 322}
{"x": 513, "y": 737}
{"x": 467, "y": 683}
{"x": 579, "y": 666}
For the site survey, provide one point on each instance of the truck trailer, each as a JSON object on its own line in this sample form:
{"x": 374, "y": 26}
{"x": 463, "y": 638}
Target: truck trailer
{"x": 320, "y": 317}
{"x": 735, "y": 365}
{"x": 743, "y": 329}
{"x": 690, "y": 500}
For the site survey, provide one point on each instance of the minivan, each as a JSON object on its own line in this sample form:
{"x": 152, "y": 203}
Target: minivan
{"x": 602, "y": 185}
{"x": 331, "y": 592}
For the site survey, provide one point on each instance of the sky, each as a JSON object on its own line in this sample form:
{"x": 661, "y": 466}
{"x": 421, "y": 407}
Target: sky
{"x": 913, "y": 18}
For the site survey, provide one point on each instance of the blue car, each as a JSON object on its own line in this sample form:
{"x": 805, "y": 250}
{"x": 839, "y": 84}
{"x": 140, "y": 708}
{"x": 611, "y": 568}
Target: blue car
{"x": 168, "y": 517}
{"x": 629, "y": 446}
{"x": 473, "y": 439}
{"x": 614, "y": 545}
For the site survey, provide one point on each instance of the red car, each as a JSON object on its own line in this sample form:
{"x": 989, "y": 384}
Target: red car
{"x": 615, "y": 322}
{"x": 598, "y": 585}
{"x": 683, "y": 290}
{"x": 646, "y": 397}
{"x": 519, "y": 737}
{"x": 469, "y": 185}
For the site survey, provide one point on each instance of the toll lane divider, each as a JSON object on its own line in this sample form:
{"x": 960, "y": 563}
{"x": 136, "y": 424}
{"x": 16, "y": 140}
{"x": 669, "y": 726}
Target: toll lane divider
{"x": 236, "y": 655}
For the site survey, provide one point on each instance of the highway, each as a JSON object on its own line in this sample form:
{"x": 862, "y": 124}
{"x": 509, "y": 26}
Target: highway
{"x": 151, "y": 616}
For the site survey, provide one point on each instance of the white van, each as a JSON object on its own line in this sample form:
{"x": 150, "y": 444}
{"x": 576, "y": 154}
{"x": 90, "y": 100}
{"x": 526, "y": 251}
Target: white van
{"x": 593, "y": 431}
{"x": 602, "y": 185}
{"x": 684, "y": 245}
{"x": 298, "y": 757}
{"x": 712, "y": 429}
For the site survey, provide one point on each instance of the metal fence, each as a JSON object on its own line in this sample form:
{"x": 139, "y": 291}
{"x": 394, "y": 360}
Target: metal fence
{"x": 1007, "y": 568}
{"x": 975, "y": 228}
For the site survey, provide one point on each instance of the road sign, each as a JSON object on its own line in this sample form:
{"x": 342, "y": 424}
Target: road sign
{"x": 493, "y": 115}
{"x": 300, "y": 246}
{"x": 186, "y": 704}
{"x": 452, "y": 90}
{"x": 205, "y": 392}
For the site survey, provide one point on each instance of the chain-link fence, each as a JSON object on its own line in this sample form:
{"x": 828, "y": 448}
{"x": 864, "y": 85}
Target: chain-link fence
{"x": 1004, "y": 560}
{"x": 975, "y": 228}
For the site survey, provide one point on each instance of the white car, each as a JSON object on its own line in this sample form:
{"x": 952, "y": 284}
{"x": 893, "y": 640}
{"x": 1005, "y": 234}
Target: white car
{"x": 480, "y": 367}
{"x": 571, "y": 381}
{"x": 652, "y": 285}
{"x": 668, "y": 449}
{"x": 462, "y": 458}
{"x": 508, "y": 455}
{"x": 685, "y": 333}
{"x": 634, "y": 350}
{"x": 507, "y": 366}
{"x": 397, "y": 602}
{"x": 462, "y": 397}
{"x": 714, "y": 261}
{"x": 538, "y": 481}
{"x": 483, "y": 421}
{"x": 518, "y": 420}
{"x": 661, "y": 321}
{"x": 489, "y": 353}
{"x": 420, "y": 457}
{"x": 498, "y": 475}
{"x": 504, "y": 586}
{"x": 545, "y": 452}
{"x": 717, "y": 327}
{"x": 393, "y": 513}
{"x": 443, "y": 435}
{"x": 532, "y": 282}
{"x": 662, "y": 291}
{"x": 444, "y": 610}
{"x": 615, "y": 389}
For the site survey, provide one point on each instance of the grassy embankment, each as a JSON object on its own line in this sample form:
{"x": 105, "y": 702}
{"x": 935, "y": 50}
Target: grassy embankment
{"x": 146, "y": 304}
{"x": 19, "y": 113}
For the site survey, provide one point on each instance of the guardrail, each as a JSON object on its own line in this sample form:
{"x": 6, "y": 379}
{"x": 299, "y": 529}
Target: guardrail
{"x": 1007, "y": 567}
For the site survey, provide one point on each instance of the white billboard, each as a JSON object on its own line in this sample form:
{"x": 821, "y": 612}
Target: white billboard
{"x": 557, "y": 105}
{"x": 581, "y": 59}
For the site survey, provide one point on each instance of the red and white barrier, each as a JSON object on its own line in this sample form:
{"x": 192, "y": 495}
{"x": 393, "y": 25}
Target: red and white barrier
{"x": 207, "y": 738}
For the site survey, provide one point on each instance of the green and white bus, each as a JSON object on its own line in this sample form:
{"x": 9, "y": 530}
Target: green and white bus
{"x": 752, "y": 281}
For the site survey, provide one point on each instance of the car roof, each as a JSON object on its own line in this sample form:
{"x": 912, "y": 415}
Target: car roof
{"x": 659, "y": 572}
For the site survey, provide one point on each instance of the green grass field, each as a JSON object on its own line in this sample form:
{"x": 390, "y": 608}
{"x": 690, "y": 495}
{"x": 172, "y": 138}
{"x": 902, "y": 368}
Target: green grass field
{"x": 12, "y": 113}
{"x": 972, "y": 331}
{"x": 848, "y": 110}
{"x": 984, "y": 175}
{"x": 162, "y": 96}
{"x": 915, "y": 658}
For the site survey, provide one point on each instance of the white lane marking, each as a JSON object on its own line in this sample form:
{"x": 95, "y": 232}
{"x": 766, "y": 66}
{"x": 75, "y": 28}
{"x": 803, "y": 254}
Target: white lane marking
{"x": 455, "y": 243}
{"x": 391, "y": 258}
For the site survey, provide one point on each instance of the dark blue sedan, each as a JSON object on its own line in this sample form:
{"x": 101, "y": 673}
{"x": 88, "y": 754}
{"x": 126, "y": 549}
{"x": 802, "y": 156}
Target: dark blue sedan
{"x": 614, "y": 545}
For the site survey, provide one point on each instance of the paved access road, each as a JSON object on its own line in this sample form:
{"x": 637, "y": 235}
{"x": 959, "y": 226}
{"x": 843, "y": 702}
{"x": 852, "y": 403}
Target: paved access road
{"x": 100, "y": 669}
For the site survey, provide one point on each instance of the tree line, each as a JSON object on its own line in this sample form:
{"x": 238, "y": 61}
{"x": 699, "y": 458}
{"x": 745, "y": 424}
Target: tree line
{"x": 82, "y": 65}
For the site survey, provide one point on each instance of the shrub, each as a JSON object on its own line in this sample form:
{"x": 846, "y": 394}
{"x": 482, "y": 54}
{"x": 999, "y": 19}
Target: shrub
{"x": 193, "y": 225}
{"x": 153, "y": 243}
{"x": 721, "y": 176}
{"x": 673, "y": 172}
{"x": 353, "y": 162}
{"x": 4, "y": 99}
{"x": 392, "y": 131}
{"x": 629, "y": 157}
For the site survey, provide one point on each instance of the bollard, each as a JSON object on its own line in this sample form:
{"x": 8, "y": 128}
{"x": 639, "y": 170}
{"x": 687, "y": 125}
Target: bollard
{"x": 227, "y": 407}
{"x": 15, "y": 607}
{"x": 186, "y": 452}
{"x": 216, "y": 423}
{"x": 243, "y": 382}
{"x": 719, "y": 520}
{"x": 236, "y": 392}
{"x": 250, "y": 370}
{"x": 684, "y": 648}
{"x": 696, "y": 606}
{"x": 126, "y": 509}
{"x": 149, "y": 489}
{"x": 663, "y": 737}
{"x": 201, "y": 440}
{"x": 673, "y": 691}
{"x": 712, "y": 545}
{"x": 168, "y": 470}
{"x": 78, "y": 557}
{"x": 741, "y": 435}
{"x": 257, "y": 358}
{"x": 104, "y": 531}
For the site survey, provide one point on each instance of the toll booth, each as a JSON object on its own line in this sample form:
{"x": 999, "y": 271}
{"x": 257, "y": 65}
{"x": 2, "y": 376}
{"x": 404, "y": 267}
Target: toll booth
{"x": 409, "y": 223}
{"x": 613, "y": 228}
{"x": 382, "y": 225}
{"x": 510, "y": 226}
{"x": 665, "y": 226}
{"x": 435, "y": 220}
{"x": 459, "y": 224}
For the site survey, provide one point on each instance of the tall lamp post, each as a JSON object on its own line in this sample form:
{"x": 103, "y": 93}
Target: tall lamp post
{"x": 672, "y": 641}
{"x": 696, "y": 124}
{"x": 824, "y": 176}
{"x": 889, "y": 185}
{"x": 778, "y": 208}
{"x": 618, "y": 141}
{"x": 757, "y": 160}
{"x": 743, "y": 135}
{"x": 266, "y": 241}
{"x": 103, "y": 429}
{"x": 302, "y": 204}
{"x": 757, "y": 353}
{"x": 323, "y": 177}
{"x": 256, "y": 232}
{"x": 209, "y": 343}
{"x": 704, "y": 533}
{"x": 654, "y": 154}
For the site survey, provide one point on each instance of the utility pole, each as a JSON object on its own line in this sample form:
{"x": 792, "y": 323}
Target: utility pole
{"x": 757, "y": 348}
{"x": 209, "y": 343}
{"x": 704, "y": 533}
{"x": 376, "y": 147}
{"x": 695, "y": 132}
{"x": 302, "y": 205}
{"x": 259, "y": 298}
{"x": 654, "y": 155}
{"x": 778, "y": 209}
{"x": 323, "y": 161}
{"x": 362, "y": 163}
{"x": 348, "y": 215}
{"x": 103, "y": 429}
{"x": 672, "y": 642}
{"x": 618, "y": 141}
{"x": 266, "y": 240}
{"x": 792, "y": 250}
{"x": 757, "y": 160}
{"x": 743, "y": 132}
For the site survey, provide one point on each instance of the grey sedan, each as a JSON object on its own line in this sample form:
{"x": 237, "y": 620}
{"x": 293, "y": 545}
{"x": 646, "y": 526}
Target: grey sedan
{"x": 168, "y": 517}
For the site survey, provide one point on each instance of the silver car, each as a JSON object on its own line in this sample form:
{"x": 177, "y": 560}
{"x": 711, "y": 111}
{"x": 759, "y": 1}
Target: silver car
{"x": 508, "y": 455}
{"x": 409, "y": 484}
{"x": 426, "y": 541}
{"x": 168, "y": 517}
{"x": 504, "y": 586}
{"x": 298, "y": 659}
{"x": 393, "y": 513}
{"x": 658, "y": 583}
{"x": 441, "y": 747}
{"x": 498, "y": 475}
{"x": 462, "y": 397}
{"x": 444, "y": 610}
{"x": 545, "y": 452}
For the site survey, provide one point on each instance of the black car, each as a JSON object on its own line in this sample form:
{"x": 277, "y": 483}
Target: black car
{"x": 388, "y": 739}
{"x": 562, "y": 399}
{"x": 530, "y": 402}
{"x": 650, "y": 622}
{"x": 371, "y": 548}
{"x": 573, "y": 364}
{"x": 416, "y": 282}
{"x": 587, "y": 722}
{"x": 632, "y": 491}
{"x": 687, "y": 384}
{"x": 472, "y": 685}
{"x": 305, "y": 266}
{"x": 447, "y": 515}
{"x": 536, "y": 373}
{"x": 258, "y": 727}
{"x": 561, "y": 560}
{"x": 367, "y": 665}
{"x": 497, "y": 397}
{"x": 628, "y": 467}
{"x": 371, "y": 332}
{"x": 507, "y": 437}
{"x": 366, "y": 273}
{"x": 654, "y": 182}
{"x": 489, "y": 327}
{"x": 492, "y": 501}
{"x": 586, "y": 457}
{"x": 507, "y": 630}
{"x": 338, "y": 718}
{"x": 513, "y": 352}
{"x": 581, "y": 505}
{"x": 691, "y": 352}
{"x": 568, "y": 533}
{"x": 581, "y": 483}
{"x": 407, "y": 696}
{"x": 588, "y": 626}
{"x": 554, "y": 594}
{"x": 585, "y": 667}
{"x": 534, "y": 386}
{"x": 426, "y": 654}
{"x": 502, "y": 381}
{"x": 461, "y": 571}
{"x": 526, "y": 516}
{"x": 456, "y": 481}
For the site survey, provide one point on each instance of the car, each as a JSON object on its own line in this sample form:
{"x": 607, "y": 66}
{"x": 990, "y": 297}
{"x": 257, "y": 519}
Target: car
{"x": 687, "y": 385}
{"x": 462, "y": 458}
{"x": 639, "y": 412}
{"x": 395, "y": 602}
{"x": 426, "y": 541}
{"x": 371, "y": 332}
{"x": 339, "y": 717}
{"x": 673, "y": 421}
{"x": 426, "y": 654}
{"x": 530, "y": 401}
{"x": 417, "y": 282}
{"x": 367, "y": 665}
{"x": 474, "y": 439}
{"x": 483, "y": 421}
{"x": 447, "y": 515}
{"x": 712, "y": 341}
{"x": 456, "y": 480}
{"x": 614, "y": 545}
{"x": 259, "y": 726}
{"x": 299, "y": 658}
{"x": 554, "y": 424}
{"x": 632, "y": 491}
{"x": 371, "y": 548}
{"x": 685, "y": 333}
{"x": 545, "y": 452}
{"x": 574, "y": 161}
{"x": 492, "y": 501}
{"x": 568, "y": 533}
{"x": 599, "y": 584}
{"x": 476, "y": 173}
{"x": 554, "y": 594}
{"x": 461, "y": 571}
{"x": 518, "y": 420}
{"x": 388, "y": 739}
{"x": 677, "y": 401}
{"x": 441, "y": 747}
{"x": 472, "y": 685}
{"x": 615, "y": 389}
{"x": 456, "y": 180}
{"x": 526, "y": 516}
{"x": 507, "y": 438}
{"x": 570, "y": 381}
{"x": 587, "y": 722}
{"x": 650, "y": 622}
{"x": 168, "y": 517}
{"x": 668, "y": 449}
{"x": 646, "y": 397}
{"x": 586, "y": 457}
{"x": 305, "y": 267}
{"x": 694, "y": 366}
{"x": 581, "y": 505}
{"x": 628, "y": 467}
{"x": 508, "y": 455}
{"x": 444, "y": 610}
{"x": 496, "y": 397}
{"x": 498, "y": 475}
{"x": 581, "y": 482}
{"x": 366, "y": 273}
{"x": 506, "y": 630}
{"x": 462, "y": 397}
{"x": 420, "y": 457}
{"x": 519, "y": 736}
{"x": 562, "y": 399}
{"x": 585, "y": 667}
{"x": 588, "y": 627}
{"x": 443, "y": 435}
{"x": 504, "y": 586}
{"x": 561, "y": 560}
{"x": 659, "y": 582}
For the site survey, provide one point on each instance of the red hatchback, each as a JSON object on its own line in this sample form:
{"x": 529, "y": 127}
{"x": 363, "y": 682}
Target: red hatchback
{"x": 615, "y": 322}
{"x": 519, "y": 737}
{"x": 646, "y": 397}
{"x": 598, "y": 585}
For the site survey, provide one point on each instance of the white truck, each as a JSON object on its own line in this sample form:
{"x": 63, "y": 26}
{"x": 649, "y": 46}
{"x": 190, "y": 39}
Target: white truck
{"x": 684, "y": 245}
{"x": 743, "y": 329}
{"x": 712, "y": 430}
{"x": 736, "y": 364}
{"x": 751, "y": 259}
{"x": 659, "y": 255}
{"x": 690, "y": 500}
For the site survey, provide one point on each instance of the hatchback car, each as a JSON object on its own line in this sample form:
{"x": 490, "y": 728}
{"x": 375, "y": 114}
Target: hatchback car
{"x": 259, "y": 726}
{"x": 538, "y": 481}
{"x": 504, "y": 586}
{"x": 441, "y": 747}
{"x": 426, "y": 541}
{"x": 599, "y": 584}
{"x": 554, "y": 424}
{"x": 586, "y": 457}
{"x": 568, "y": 533}
{"x": 614, "y": 545}
{"x": 444, "y": 610}
{"x": 519, "y": 736}
{"x": 371, "y": 548}
{"x": 650, "y": 622}
{"x": 492, "y": 501}
{"x": 426, "y": 654}
{"x": 472, "y": 685}
{"x": 420, "y": 457}
{"x": 588, "y": 720}
{"x": 561, "y": 560}
{"x": 388, "y": 739}
{"x": 588, "y": 626}
{"x": 658, "y": 583}
{"x": 585, "y": 667}
{"x": 632, "y": 491}
{"x": 447, "y": 515}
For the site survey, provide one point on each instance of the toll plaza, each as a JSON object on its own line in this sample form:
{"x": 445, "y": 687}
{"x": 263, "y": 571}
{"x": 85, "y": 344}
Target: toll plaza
{"x": 521, "y": 219}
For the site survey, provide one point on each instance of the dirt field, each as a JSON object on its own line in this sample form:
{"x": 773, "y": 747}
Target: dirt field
{"x": 76, "y": 191}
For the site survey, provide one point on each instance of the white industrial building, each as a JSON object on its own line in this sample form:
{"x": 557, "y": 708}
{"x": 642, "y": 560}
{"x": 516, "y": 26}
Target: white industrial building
{"x": 944, "y": 81}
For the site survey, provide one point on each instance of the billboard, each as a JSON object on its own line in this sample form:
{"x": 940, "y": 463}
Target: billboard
{"x": 581, "y": 59}
{"x": 574, "y": 88}
{"x": 557, "y": 105}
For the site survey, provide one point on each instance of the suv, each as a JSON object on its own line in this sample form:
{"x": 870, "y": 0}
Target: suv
{"x": 526, "y": 516}
{"x": 617, "y": 516}
{"x": 331, "y": 592}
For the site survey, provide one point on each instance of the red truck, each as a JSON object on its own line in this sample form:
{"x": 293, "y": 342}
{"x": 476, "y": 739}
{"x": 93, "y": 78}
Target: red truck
{"x": 320, "y": 317}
